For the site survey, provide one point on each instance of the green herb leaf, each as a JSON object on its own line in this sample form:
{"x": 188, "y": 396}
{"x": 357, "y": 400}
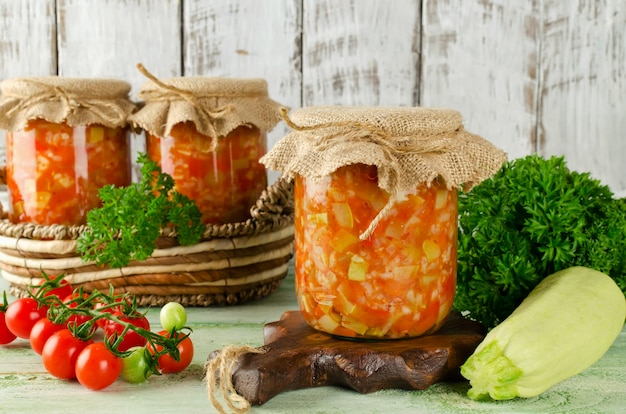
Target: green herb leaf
{"x": 129, "y": 222}
{"x": 531, "y": 219}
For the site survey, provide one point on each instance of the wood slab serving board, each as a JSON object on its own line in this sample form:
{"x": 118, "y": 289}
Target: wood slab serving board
{"x": 298, "y": 357}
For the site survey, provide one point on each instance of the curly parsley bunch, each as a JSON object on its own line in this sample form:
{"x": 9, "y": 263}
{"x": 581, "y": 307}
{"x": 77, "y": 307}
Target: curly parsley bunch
{"x": 531, "y": 219}
{"x": 129, "y": 222}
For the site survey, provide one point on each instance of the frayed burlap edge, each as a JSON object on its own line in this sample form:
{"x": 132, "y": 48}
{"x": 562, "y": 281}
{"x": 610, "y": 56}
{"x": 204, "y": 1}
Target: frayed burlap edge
{"x": 74, "y": 101}
{"x": 216, "y": 106}
{"x": 410, "y": 146}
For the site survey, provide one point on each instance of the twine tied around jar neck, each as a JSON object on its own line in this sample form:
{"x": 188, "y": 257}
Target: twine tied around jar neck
{"x": 207, "y": 116}
{"x": 72, "y": 102}
{"x": 389, "y": 144}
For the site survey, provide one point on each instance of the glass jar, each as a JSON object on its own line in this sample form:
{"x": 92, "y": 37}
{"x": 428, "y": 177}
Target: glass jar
{"x": 54, "y": 171}
{"x": 400, "y": 281}
{"x": 224, "y": 182}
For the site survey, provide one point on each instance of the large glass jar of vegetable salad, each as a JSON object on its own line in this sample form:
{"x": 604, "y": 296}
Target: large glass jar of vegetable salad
{"x": 65, "y": 139}
{"x": 209, "y": 134}
{"x": 376, "y": 214}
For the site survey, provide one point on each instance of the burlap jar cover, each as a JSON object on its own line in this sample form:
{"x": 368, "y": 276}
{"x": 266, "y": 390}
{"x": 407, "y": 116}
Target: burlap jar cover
{"x": 233, "y": 263}
{"x": 74, "y": 101}
{"x": 216, "y": 106}
{"x": 408, "y": 145}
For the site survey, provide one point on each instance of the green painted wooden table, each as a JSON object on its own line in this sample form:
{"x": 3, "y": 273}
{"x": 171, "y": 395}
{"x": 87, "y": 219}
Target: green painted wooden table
{"x": 25, "y": 387}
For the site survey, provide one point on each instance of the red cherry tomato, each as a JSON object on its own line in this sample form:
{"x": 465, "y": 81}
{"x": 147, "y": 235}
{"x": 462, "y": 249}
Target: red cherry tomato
{"x": 99, "y": 305}
{"x": 6, "y": 336}
{"x": 131, "y": 338}
{"x": 60, "y": 353}
{"x": 41, "y": 332}
{"x": 22, "y": 314}
{"x": 166, "y": 363}
{"x": 97, "y": 367}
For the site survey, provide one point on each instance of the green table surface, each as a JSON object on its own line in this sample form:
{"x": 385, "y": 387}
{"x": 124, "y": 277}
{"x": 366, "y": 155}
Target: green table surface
{"x": 25, "y": 386}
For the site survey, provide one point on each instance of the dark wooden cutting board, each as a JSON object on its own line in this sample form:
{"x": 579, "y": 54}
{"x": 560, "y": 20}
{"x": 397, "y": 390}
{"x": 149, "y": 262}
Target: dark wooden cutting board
{"x": 297, "y": 356}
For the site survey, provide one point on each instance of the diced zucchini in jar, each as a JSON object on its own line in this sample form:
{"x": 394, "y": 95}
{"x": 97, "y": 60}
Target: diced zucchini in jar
{"x": 343, "y": 215}
{"x": 358, "y": 268}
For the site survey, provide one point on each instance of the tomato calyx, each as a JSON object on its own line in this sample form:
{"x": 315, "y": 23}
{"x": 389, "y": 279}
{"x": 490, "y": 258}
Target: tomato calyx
{"x": 83, "y": 313}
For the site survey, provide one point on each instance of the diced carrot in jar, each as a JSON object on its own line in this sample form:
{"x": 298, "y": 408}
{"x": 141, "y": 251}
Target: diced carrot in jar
{"x": 54, "y": 171}
{"x": 224, "y": 183}
{"x": 398, "y": 283}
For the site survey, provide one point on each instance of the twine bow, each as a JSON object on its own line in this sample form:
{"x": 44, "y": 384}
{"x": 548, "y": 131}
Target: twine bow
{"x": 71, "y": 103}
{"x": 390, "y": 145}
{"x": 207, "y": 117}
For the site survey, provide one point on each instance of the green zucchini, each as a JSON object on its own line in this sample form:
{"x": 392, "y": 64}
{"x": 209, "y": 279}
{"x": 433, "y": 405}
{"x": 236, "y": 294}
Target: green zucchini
{"x": 565, "y": 325}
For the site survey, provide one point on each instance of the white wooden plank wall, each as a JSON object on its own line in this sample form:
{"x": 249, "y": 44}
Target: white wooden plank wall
{"x": 545, "y": 76}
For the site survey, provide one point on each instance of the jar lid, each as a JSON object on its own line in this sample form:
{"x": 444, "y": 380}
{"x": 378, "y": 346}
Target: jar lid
{"x": 215, "y": 105}
{"x": 75, "y": 101}
{"x": 408, "y": 145}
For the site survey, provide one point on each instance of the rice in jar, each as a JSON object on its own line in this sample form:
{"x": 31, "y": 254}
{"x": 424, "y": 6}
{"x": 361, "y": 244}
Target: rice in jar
{"x": 375, "y": 198}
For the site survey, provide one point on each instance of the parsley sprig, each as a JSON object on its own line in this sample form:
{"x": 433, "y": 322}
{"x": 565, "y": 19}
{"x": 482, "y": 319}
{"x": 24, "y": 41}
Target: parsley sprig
{"x": 129, "y": 222}
{"x": 531, "y": 219}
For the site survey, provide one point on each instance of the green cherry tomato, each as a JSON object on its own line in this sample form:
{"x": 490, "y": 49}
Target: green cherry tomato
{"x": 136, "y": 366}
{"x": 173, "y": 316}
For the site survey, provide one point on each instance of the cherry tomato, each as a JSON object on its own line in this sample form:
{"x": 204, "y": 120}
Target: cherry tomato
{"x": 166, "y": 363}
{"x": 6, "y": 336}
{"x": 22, "y": 314}
{"x": 60, "y": 353}
{"x": 173, "y": 316}
{"x": 41, "y": 332}
{"x": 131, "y": 338}
{"x": 136, "y": 366}
{"x": 63, "y": 290}
{"x": 97, "y": 367}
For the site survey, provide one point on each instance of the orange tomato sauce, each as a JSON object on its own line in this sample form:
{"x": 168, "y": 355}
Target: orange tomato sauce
{"x": 400, "y": 282}
{"x": 225, "y": 182}
{"x": 54, "y": 171}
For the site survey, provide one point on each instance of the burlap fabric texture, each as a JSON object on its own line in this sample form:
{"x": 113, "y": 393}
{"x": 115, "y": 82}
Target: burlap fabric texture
{"x": 74, "y": 101}
{"x": 216, "y": 106}
{"x": 408, "y": 145}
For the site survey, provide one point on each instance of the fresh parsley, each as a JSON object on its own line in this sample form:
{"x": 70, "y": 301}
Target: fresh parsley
{"x": 531, "y": 219}
{"x": 129, "y": 222}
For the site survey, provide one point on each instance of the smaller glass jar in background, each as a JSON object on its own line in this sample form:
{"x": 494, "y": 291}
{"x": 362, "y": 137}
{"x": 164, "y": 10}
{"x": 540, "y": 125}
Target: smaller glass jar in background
{"x": 65, "y": 139}
{"x": 214, "y": 134}
{"x": 375, "y": 210}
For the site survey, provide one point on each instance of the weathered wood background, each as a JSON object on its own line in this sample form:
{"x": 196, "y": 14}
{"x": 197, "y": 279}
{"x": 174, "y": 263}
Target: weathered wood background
{"x": 546, "y": 76}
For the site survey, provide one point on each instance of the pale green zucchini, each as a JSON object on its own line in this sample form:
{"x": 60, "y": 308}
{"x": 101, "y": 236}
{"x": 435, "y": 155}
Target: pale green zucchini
{"x": 565, "y": 324}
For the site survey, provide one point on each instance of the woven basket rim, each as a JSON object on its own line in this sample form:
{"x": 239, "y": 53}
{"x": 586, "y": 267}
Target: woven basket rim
{"x": 272, "y": 211}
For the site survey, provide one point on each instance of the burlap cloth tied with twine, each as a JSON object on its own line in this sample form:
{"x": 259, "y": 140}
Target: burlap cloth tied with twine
{"x": 408, "y": 145}
{"x": 216, "y": 106}
{"x": 74, "y": 101}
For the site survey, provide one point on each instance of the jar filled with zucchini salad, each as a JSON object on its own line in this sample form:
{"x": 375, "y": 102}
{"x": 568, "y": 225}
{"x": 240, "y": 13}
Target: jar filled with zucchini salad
{"x": 208, "y": 134}
{"x": 375, "y": 208}
{"x": 65, "y": 139}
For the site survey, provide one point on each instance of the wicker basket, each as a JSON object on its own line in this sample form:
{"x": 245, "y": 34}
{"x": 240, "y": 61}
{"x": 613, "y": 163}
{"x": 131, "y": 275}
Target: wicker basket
{"x": 232, "y": 264}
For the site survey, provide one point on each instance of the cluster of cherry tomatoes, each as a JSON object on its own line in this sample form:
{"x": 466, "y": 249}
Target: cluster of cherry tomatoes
{"x": 96, "y": 338}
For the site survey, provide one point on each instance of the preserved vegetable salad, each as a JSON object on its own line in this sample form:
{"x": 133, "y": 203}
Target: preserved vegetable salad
{"x": 399, "y": 282}
{"x": 224, "y": 182}
{"x": 54, "y": 171}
